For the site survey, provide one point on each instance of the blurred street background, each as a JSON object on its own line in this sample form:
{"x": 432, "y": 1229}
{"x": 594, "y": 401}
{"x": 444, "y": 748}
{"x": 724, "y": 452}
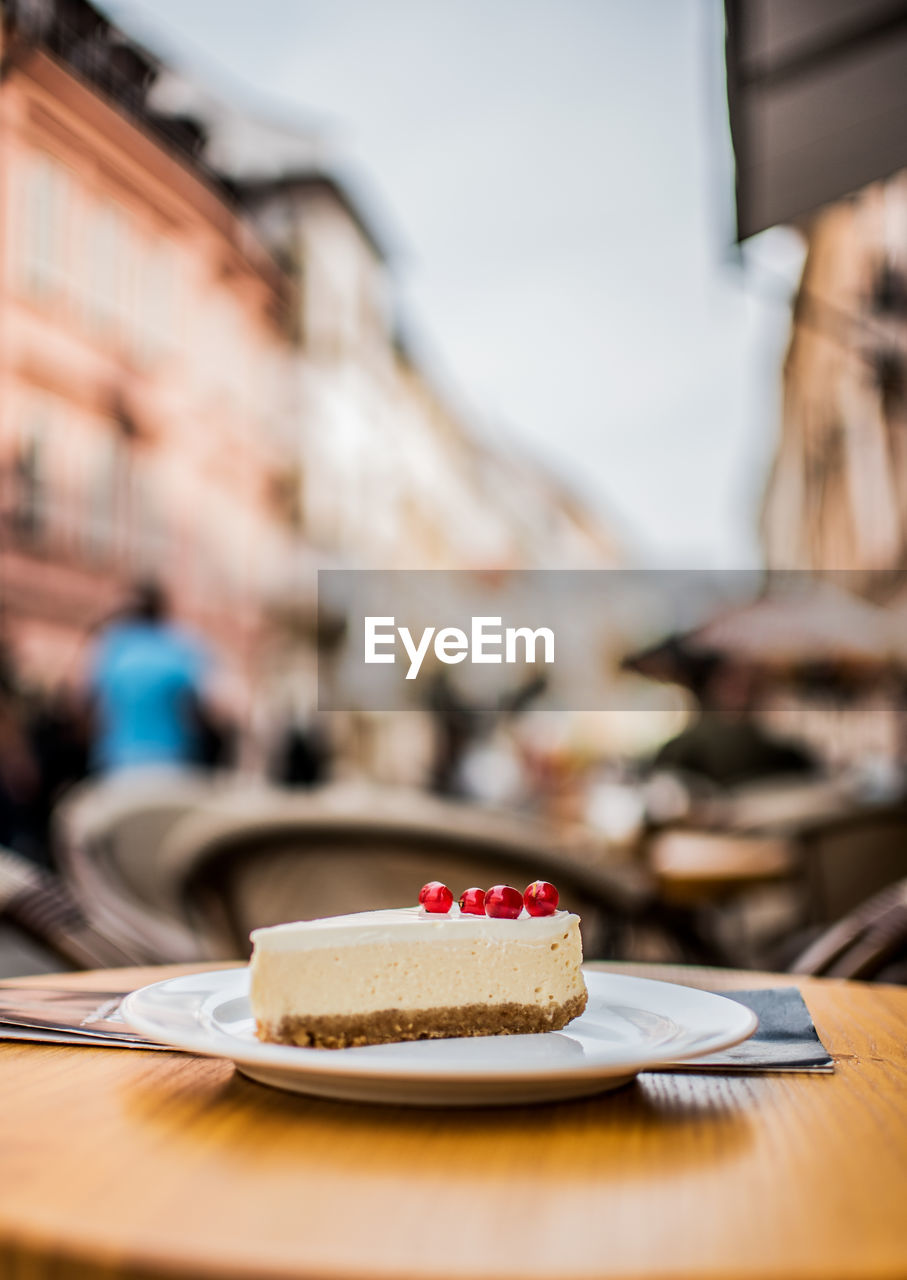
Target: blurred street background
{"x": 452, "y": 286}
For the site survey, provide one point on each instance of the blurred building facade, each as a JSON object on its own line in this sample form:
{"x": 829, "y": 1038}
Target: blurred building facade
{"x": 391, "y": 475}
{"x": 836, "y": 498}
{"x": 203, "y": 374}
{"x": 837, "y": 493}
{"x": 143, "y": 340}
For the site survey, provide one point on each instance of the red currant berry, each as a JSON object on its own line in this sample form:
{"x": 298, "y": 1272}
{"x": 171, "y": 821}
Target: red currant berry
{"x": 503, "y": 902}
{"x": 472, "y": 902}
{"x": 541, "y": 898}
{"x": 436, "y": 897}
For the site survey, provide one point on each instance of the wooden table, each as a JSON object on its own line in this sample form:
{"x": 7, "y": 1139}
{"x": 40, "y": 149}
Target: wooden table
{"x": 699, "y": 867}
{"x": 124, "y": 1163}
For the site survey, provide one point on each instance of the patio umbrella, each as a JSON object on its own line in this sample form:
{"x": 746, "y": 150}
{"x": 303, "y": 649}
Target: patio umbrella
{"x": 792, "y": 632}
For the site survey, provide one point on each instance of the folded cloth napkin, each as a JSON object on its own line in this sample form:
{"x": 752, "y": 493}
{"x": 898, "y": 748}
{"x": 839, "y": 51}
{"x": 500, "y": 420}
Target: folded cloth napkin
{"x": 54, "y": 1015}
{"x": 785, "y": 1039}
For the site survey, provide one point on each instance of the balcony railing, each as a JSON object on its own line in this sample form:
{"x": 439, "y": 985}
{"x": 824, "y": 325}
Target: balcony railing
{"x": 48, "y": 525}
{"x": 111, "y": 63}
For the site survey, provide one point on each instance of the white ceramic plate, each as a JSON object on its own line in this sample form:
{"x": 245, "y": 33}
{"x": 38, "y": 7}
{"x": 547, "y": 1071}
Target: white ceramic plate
{"x": 629, "y": 1024}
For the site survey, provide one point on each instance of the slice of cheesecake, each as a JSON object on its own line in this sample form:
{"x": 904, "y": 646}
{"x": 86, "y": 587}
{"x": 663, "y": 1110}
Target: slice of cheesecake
{"x": 408, "y": 974}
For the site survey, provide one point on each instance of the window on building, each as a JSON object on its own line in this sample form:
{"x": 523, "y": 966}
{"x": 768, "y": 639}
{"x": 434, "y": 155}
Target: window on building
{"x": 372, "y": 325}
{"x": 156, "y": 310}
{"x": 108, "y": 512}
{"x": 106, "y": 262}
{"x": 299, "y": 268}
{"x": 47, "y": 207}
{"x": 30, "y": 491}
{"x": 149, "y": 534}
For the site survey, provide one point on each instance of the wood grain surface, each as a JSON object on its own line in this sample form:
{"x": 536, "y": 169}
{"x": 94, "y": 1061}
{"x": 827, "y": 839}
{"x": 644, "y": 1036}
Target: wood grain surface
{"x": 122, "y": 1163}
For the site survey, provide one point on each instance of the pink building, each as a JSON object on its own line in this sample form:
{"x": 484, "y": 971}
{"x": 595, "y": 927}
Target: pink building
{"x": 141, "y": 357}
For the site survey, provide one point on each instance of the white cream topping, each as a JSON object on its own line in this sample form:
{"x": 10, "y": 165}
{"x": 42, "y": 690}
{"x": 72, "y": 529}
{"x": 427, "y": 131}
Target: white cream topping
{"x": 370, "y": 927}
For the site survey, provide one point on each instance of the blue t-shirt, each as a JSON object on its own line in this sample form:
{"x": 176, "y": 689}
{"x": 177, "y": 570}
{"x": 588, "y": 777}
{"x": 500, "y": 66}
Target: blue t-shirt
{"x": 145, "y": 679}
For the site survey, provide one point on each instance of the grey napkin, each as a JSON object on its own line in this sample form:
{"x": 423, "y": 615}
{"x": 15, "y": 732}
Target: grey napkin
{"x": 785, "y": 1039}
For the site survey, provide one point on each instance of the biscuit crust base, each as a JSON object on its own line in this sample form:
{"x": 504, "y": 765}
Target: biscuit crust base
{"x": 390, "y": 1025}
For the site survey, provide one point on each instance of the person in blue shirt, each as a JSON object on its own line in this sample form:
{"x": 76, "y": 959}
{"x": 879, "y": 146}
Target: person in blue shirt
{"x": 146, "y": 685}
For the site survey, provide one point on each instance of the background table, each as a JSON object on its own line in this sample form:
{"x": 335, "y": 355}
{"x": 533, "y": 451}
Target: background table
{"x": 118, "y": 1162}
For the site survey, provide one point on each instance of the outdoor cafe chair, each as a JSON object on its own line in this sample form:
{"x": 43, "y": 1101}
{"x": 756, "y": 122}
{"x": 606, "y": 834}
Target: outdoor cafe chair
{"x": 868, "y": 943}
{"x": 107, "y": 835}
{"x": 849, "y": 857}
{"x": 343, "y": 849}
{"x": 37, "y": 903}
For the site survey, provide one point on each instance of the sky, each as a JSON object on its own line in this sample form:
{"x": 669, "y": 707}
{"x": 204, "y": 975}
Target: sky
{"x": 556, "y": 178}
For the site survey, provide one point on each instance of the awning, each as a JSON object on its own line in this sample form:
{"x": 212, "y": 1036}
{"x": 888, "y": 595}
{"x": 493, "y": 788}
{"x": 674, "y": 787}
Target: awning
{"x": 817, "y": 93}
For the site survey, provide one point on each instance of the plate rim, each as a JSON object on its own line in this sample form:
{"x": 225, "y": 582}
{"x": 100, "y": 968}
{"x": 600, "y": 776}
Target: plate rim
{"x": 314, "y": 1063}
